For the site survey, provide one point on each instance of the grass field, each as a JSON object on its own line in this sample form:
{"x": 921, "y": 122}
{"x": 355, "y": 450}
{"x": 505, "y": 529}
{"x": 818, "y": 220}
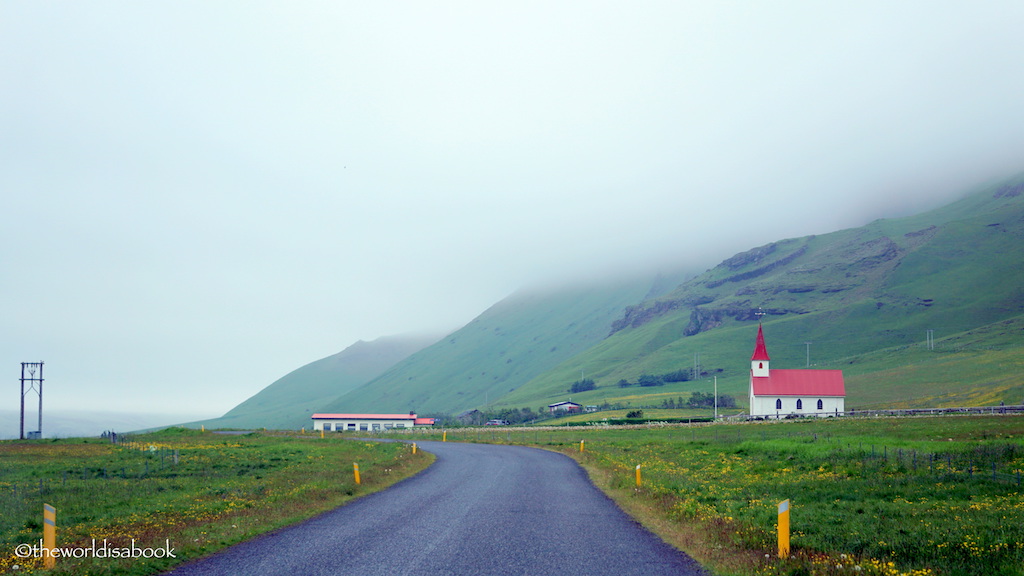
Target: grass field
{"x": 916, "y": 496}
{"x": 874, "y": 496}
{"x": 222, "y": 490}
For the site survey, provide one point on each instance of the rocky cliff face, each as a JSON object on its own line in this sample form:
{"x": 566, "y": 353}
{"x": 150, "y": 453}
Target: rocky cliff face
{"x": 789, "y": 277}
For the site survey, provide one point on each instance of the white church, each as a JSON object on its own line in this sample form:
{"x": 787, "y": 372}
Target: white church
{"x": 780, "y": 393}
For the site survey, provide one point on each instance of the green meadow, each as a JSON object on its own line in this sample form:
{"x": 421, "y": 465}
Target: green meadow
{"x": 190, "y": 491}
{"x": 876, "y": 496}
{"x": 889, "y": 496}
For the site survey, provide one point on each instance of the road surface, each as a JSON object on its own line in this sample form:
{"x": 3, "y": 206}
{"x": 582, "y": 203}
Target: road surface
{"x": 478, "y": 510}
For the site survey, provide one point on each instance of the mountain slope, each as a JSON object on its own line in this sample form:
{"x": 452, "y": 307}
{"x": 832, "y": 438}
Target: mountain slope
{"x": 860, "y": 299}
{"x": 509, "y": 344}
{"x": 289, "y": 401}
{"x": 850, "y": 294}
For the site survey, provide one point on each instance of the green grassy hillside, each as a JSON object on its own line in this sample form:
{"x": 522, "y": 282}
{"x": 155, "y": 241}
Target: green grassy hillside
{"x": 864, "y": 298}
{"x": 980, "y": 367}
{"x": 290, "y": 401}
{"x": 506, "y": 346}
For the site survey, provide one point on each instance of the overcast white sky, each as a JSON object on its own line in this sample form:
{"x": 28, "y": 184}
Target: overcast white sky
{"x": 199, "y": 197}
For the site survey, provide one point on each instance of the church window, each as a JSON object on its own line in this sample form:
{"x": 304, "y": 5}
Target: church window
{"x": 778, "y": 404}
{"x": 799, "y": 404}
{"x": 821, "y": 405}
{"x": 760, "y": 365}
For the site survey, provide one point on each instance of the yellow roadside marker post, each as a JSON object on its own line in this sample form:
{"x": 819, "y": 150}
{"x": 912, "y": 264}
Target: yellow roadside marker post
{"x": 581, "y": 445}
{"x": 637, "y": 475}
{"x": 413, "y": 447}
{"x": 355, "y": 470}
{"x": 784, "y": 529}
{"x": 444, "y": 436}
{"x": 49, "y": 535}
{"x": 321, "y": 432}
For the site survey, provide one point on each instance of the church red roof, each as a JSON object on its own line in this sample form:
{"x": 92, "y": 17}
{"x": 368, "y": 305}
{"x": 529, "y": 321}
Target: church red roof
{"x": 760, "y": 352}
{"x": 798, "y": 382}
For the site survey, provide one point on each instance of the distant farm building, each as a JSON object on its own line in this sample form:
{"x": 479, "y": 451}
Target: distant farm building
{"x": 564, "y": 407}
{"x": 368, "y": 422}
{"x": 470, "y": 417}
{"x": 780, "y": 393}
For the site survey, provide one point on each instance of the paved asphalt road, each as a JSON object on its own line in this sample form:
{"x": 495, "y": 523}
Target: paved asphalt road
{"x": 478, "y": 510}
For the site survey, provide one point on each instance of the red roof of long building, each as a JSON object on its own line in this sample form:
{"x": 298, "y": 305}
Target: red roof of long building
{"x": 800, "y": 383}
{"x": 364, "y": 416}
{"x": 760, "y": 352}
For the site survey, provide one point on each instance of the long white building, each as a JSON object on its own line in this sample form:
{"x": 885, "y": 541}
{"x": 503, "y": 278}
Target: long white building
{"x": 368, "y": 422}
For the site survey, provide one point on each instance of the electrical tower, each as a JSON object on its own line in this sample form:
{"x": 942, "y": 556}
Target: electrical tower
{"x": 35, "y": 384}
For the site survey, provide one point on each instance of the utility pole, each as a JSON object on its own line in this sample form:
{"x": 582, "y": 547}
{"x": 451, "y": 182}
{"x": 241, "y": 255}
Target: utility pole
{"x": 808, "y": 354}
{"x": 930, "y": 339}
{"x": 716, "y": 398}
{"x": 31, "y": 368}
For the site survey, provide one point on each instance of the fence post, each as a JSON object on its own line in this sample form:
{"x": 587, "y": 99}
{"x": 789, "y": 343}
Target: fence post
{"x": 49, "y": 535}
{"x": 784, "y": 529}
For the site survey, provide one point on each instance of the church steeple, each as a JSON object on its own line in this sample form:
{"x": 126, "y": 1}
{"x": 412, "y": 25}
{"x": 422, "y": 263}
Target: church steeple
{"x": 759, "y": 360}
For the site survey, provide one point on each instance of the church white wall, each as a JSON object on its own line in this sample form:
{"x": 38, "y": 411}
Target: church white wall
{"x": 766, "y": 406}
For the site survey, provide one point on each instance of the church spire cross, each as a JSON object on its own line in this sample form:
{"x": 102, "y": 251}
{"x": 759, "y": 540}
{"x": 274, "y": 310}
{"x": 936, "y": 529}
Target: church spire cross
{"x": 760, "y": 351}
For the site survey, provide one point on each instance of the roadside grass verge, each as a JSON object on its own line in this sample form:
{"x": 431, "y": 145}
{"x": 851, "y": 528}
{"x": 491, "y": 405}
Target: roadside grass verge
{"x": 221, "y": 490}
{"x": 648, "y": 414}
{"x": 880, "y": 496}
